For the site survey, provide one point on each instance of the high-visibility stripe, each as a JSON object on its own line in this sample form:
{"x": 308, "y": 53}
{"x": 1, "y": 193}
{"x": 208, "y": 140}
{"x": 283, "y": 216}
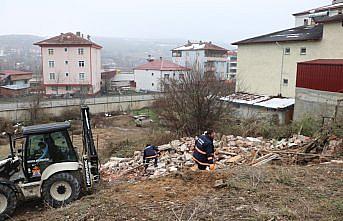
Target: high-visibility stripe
{"x": 151, "y": 157}
{"x": 205, "y": 164}
{"x": 200, "y": 151}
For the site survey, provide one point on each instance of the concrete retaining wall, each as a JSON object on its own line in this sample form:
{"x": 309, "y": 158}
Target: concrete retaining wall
{"x": 316, "y": 104}
{"x": 96, "y": 106}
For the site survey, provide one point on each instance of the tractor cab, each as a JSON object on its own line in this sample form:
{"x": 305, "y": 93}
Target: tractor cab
{"x": 41, "y": 162}
{"x": 45, "y": 145}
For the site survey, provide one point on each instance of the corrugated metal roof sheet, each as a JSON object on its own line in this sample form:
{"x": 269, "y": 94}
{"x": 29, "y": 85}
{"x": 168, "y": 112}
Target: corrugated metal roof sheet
{"x": 323, "y": 75}
{"x": 302, "y": 33}
{"x": 324, "y": 61}
{"x": 260, "y": 100}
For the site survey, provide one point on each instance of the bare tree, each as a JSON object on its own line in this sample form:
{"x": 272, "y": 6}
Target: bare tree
{"x": 35, "y": 101}
{"x": 190, "y": 103}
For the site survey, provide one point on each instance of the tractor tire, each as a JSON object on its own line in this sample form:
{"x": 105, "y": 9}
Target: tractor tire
{"x": 61, "y": 189}
{"x": 8, "y": 202}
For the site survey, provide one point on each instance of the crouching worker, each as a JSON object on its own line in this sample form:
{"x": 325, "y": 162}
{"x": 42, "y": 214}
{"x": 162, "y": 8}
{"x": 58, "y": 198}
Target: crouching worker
{"x": 150, "y": 153}
{"x": 203, "y": 153}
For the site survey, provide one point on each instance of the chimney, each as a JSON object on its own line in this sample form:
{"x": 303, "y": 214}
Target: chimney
{"x": 78, "y": 33}
{"x": 88, "y": 37}
{"x": 82, "y": 35}
{"x": 150, "y": 58}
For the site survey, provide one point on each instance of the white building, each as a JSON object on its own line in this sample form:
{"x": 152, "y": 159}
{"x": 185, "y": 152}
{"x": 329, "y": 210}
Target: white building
{"x": 231, "y": 65}
{"x": 70, "y": 64}
{"x": 205, "y": 55}
{"x": 267, "y": 64}
{"x": 148, "y": 76}
{"x": 309, "y": 17}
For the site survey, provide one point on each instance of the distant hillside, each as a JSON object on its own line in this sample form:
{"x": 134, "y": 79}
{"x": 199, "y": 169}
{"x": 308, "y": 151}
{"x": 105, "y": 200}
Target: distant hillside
{"x": 123, "y": 53}
{"x": 18, "y": 41}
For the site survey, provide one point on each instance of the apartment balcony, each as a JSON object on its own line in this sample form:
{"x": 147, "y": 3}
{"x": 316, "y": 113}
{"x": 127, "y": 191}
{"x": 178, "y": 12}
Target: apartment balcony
{"x": 220, "y": 59}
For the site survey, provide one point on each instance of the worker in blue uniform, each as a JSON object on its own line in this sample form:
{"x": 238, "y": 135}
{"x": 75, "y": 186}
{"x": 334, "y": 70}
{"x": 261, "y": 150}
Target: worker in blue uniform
{"x": 203, "y": 154}
{"x": 150, "y": 153}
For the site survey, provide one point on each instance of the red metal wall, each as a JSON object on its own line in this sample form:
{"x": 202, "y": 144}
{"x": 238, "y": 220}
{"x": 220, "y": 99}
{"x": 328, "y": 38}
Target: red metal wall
{"x": 323, "y": 77}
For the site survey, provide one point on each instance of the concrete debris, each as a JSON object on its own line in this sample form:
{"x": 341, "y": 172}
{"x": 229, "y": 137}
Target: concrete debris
{"x": 219, "y": 184}
{"x": 231, "y": 150}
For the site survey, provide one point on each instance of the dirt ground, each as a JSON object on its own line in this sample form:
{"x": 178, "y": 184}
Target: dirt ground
{"x": 116, "y": 134}
{"x": 267, "y": 193}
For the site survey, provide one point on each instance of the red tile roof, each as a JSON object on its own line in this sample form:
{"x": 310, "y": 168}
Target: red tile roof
{"x": 324, "y": 61}
{"x": 161, "y": 65}
{"x": 232, "y": 53}
{"x": 14, "y": 72}
{"x": 67, "y": 39}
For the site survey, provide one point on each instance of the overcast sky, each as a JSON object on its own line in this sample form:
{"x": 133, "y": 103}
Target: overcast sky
{"x": 216, "y": 20}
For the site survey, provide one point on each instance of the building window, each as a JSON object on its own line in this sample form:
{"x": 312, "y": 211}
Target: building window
{"x": 181, "y": 76}
{"x": 287, "y": 51}
{"x": 152, "y": 74}
{"x": 80, "y": 51}
{"x": 285, "y": 82}
{"x": 54, "y": 88}
{"x": 166, "y": 76}
{"x": 68, "y": 88}
{"x": 66, "y": 62}
{"x": 51, "y": 64}
{"x": 66, "y": 49}
{"x": 52, "y": 76}
{"x": 82, "y": 76}
{"x": 174, "y": 74}
{"x": 50, "y": 51}
{"x": 233, "y": 59}
{"x": 81, "y": 64}
{"x": 67, "y": 74}
{"x": 26, "y": 81}
{"x": 177, "y": 54}
{"x": 303, "y": 51}
{"x": 305, "y": 21}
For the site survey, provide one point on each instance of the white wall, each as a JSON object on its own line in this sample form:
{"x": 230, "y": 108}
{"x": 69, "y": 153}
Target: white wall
{"x": 150, "y": 80}
{"x": 197, "y": 57}
{"x": 259, "y": 65}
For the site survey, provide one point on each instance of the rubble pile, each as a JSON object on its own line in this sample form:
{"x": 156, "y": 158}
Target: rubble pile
{"x": 230, "y": 150}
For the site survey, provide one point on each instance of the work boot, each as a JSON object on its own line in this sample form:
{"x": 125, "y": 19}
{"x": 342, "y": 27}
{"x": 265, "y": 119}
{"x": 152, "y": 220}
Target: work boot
{"x": 194, "y": 168}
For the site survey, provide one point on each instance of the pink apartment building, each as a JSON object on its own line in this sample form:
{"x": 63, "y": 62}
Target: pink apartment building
{"x": 71, "y": 64}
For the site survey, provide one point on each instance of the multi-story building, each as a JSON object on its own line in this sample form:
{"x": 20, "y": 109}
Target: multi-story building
{"x": 203, "y": 55}
{"x": 71, "y": 64}
{"x": 148, "y": 76}
{"x": 309, "y": 17}
{"x": 231, "y": 65}
{"x": 267, "y": 64}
